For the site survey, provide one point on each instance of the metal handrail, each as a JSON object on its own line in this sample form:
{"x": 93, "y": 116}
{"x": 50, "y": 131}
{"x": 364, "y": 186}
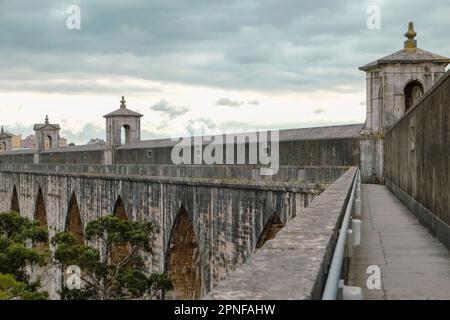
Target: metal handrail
{"x": 334, "y": 274}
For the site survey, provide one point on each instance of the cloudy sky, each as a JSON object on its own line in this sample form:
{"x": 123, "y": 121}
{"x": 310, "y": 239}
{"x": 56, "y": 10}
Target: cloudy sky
{"x": 229, "y": 65}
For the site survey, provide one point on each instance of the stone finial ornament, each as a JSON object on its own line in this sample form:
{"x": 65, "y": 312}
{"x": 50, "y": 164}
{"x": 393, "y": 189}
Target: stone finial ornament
{"x": 122, "y": 102}
{"x": 46, "y": 119}
{"x": 411, "y": 43}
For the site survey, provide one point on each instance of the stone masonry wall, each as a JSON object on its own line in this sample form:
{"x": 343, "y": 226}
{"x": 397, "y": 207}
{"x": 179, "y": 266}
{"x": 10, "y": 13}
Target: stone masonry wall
{"x": 319, "y": 152}
{"x": 417, "y": 151}
{"x": 227, "y": 217}
{"x": 293, "y": 265}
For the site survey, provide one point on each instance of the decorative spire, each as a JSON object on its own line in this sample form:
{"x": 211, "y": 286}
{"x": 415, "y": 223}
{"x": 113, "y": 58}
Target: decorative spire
{"x": 46, "y": 119}
{"x": 122, "y": 103}
{"x": 411, "y": 43}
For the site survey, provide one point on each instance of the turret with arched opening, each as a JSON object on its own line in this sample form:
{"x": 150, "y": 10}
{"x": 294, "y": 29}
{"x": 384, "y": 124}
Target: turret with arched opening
{"x": 413, "y": 92}
{"x": 123, "y": 126}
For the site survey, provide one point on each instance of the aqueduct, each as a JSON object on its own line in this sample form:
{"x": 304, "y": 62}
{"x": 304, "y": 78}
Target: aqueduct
{"x": 205, "y": 226}
{"x": 217, "y": 220}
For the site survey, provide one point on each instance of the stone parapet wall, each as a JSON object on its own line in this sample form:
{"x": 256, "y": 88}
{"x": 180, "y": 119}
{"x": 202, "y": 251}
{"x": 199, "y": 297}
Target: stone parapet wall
{"x": 294, "y": 264}
{"x": 311, "y": 152}
{"x": 238, "y": 174}
{"x": 417, "y": 151}
{"x": 226, "y": 218}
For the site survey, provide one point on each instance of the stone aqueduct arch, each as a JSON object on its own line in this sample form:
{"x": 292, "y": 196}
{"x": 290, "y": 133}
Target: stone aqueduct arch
{"x": 119, "y": 252}
{"x": 271, "y": 228}
{"x": 119, "y": 209}
{"x": 15, "y": 200}
{"x": 73, "y": 221}
{"x": 182, "y": 262}
{"x": 182, "y": 259}
{"x": 40, "y": 213}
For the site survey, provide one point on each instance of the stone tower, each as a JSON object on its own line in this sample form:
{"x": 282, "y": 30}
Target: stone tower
{"x": 393, "y": 85}
{"x": 123, "y": 126}
{"x": 5, "y": 141}
{"x": 46, "y": 135}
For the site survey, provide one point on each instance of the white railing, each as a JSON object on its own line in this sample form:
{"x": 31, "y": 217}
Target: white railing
{"x": 348, "y": 237}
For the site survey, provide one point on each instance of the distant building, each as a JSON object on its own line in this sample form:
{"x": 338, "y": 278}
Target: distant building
{"x": 29, "y": 142}
{"x": 96, "y": 141}
{"x": 5, "y": 140}
{"x": 62, "y": 142}
{"x": 16, "y": 141}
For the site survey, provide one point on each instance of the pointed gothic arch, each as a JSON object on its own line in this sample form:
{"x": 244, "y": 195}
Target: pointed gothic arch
{"x": 119, "y": 209}
{"x": 73, "y": 221}
{"x": 119, "y": 252}
{"x": 272, "y": 227}
{"x": 183, "y": 258}
{"x": 15, "y": 201}
{"x": 40, "y": 213}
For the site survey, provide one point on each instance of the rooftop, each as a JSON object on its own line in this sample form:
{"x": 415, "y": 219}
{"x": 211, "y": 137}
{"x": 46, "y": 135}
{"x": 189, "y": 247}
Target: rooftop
{"x": 315, "y": 133}
{"x": 4, "y": 134}
{"x": 409, "y": 54}
{"x": 84, "y": 147}
{"x": 123, "y": 111}
{"x": 39, "y": 126}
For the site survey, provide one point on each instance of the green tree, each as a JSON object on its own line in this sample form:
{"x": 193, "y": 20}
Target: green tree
{"x": 18, "y": 252}
{"x": 118, "y": 273}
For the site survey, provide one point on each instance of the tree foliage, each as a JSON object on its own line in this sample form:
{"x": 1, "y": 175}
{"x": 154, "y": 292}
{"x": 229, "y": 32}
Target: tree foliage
{"x": 117, "y": 271}
{"x": 18, "y": 252}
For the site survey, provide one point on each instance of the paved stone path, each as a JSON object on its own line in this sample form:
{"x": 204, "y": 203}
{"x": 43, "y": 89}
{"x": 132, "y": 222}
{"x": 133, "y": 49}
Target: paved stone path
{"x": 414, "y": 264}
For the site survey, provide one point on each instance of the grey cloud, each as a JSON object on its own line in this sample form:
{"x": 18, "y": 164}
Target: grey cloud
{"x": 233, "y": 103}
{"x": 260, "y": 45}
{"x": 201, "y": 126}
{"x": 88, "y": 132}
{"x": 319, "y": 110}
{"x": 149, "y": 134}
{"x": 170, "y": 110}
{"x": 229, "y": 102}
{"x": 76, "y": 84}
{"x": 162, "y": 125}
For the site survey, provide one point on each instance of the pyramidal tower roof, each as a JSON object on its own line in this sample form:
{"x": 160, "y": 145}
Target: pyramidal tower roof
{"x": 46, "y": 123}
{"x": 4, "y": 134}
{"x": 409, "y": 54}
{"x": 122, "y": 111}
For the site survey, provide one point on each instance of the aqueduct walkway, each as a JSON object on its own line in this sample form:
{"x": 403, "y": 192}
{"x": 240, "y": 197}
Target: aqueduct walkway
{"x": 414, "y": 264}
